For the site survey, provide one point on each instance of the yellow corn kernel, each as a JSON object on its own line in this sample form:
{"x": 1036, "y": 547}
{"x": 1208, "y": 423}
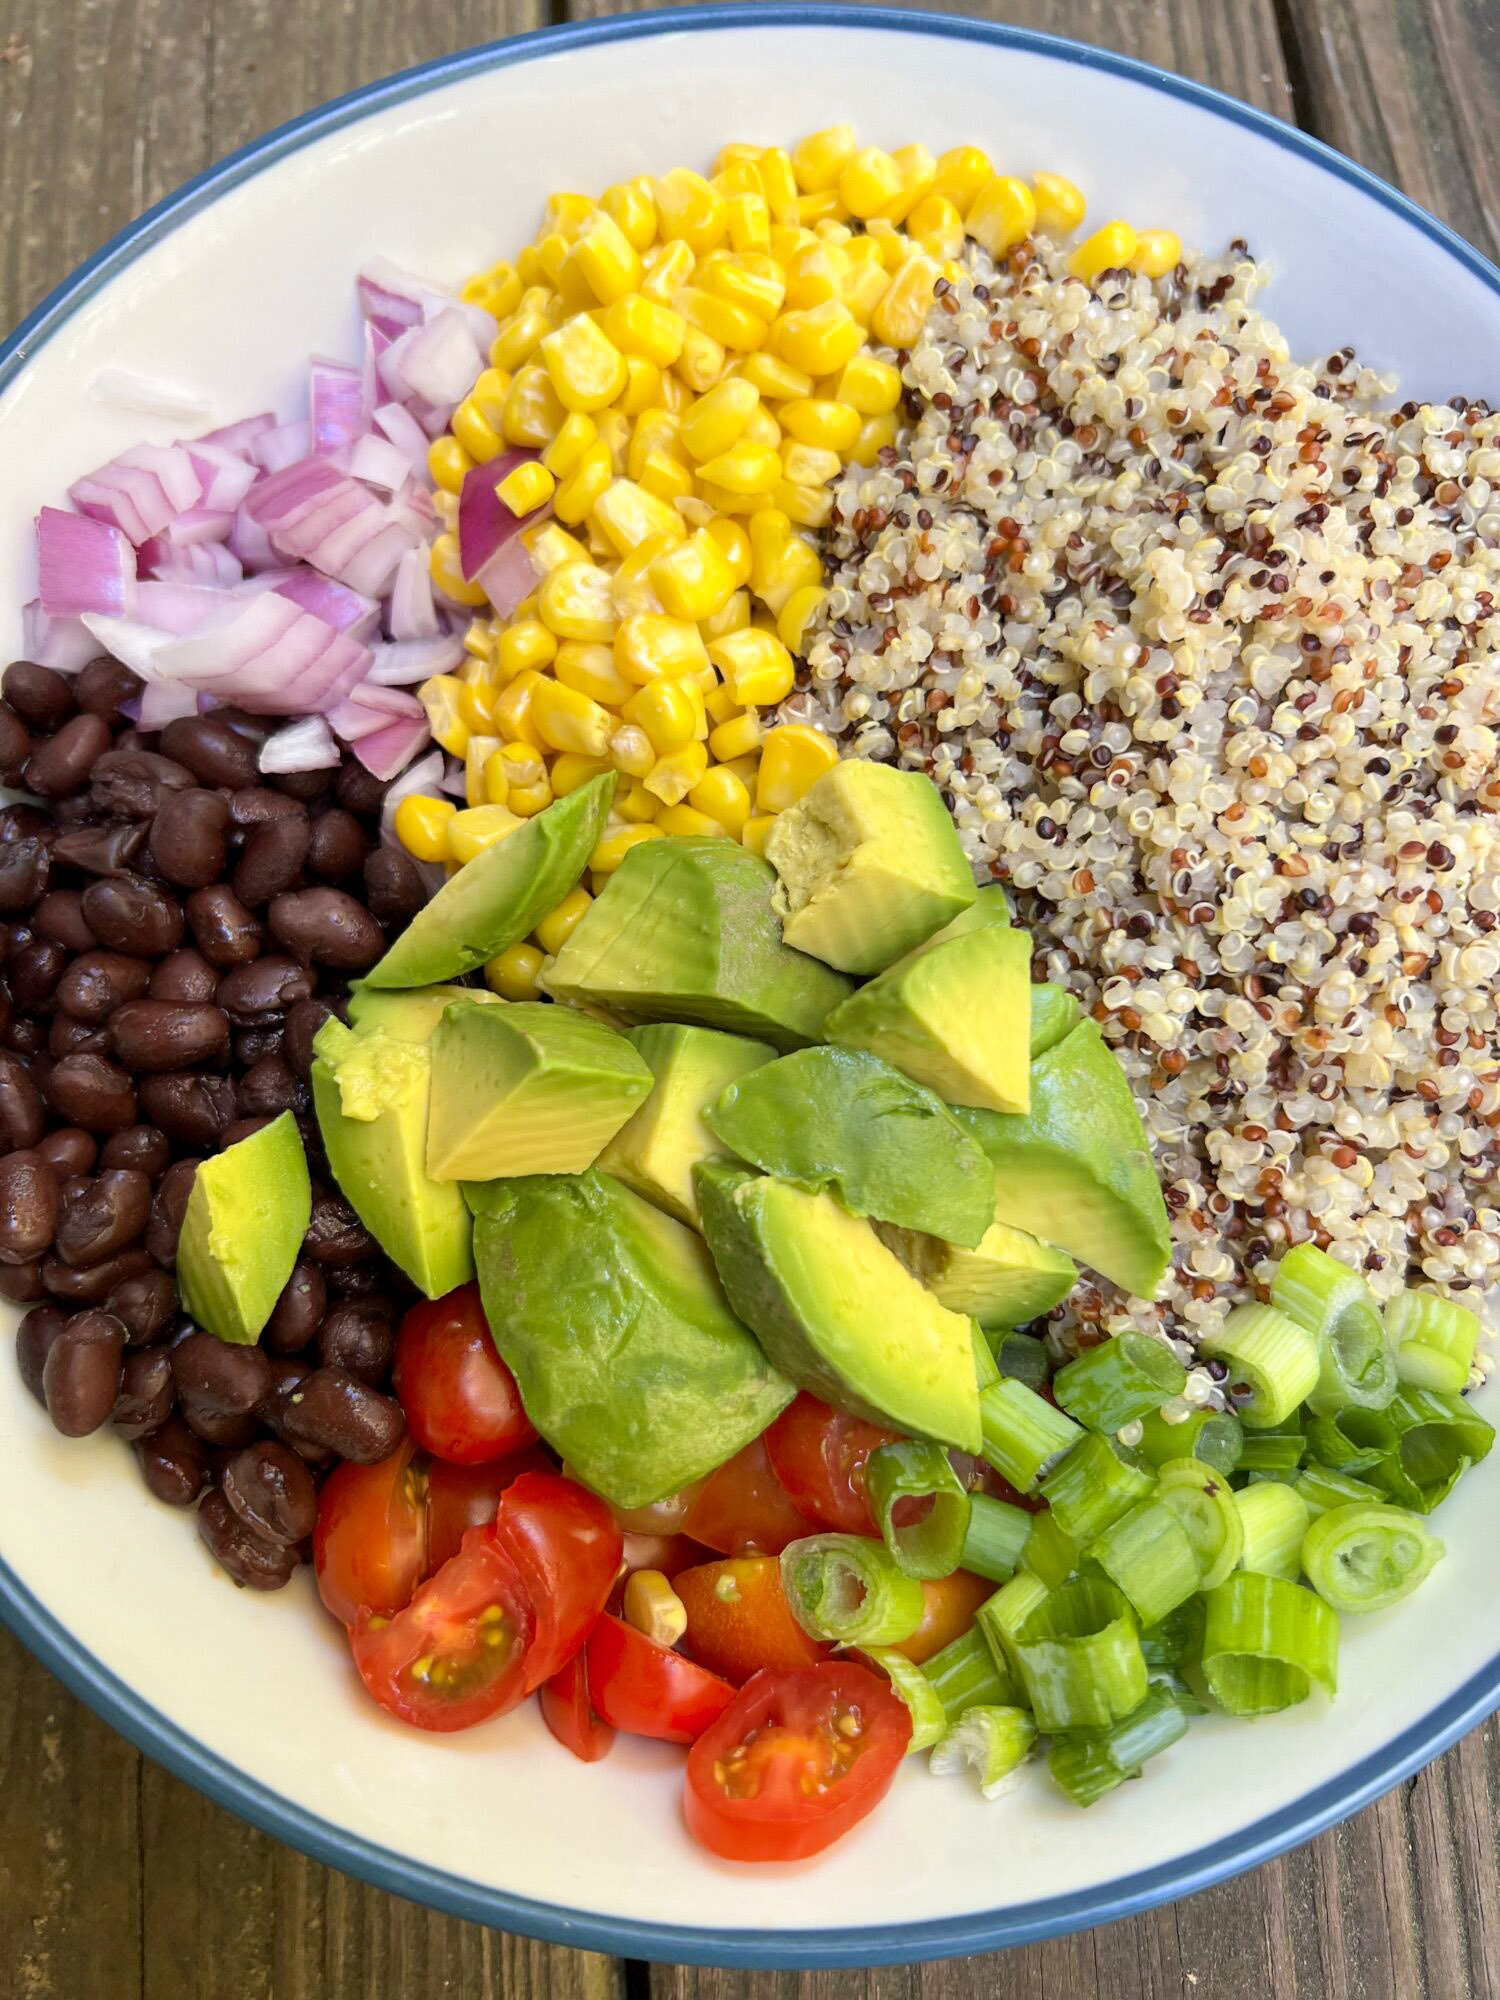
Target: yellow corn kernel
{"x": 630, "y": 750}
{"x": 875, "y": 434}
{"x": 776, "y": 379}
{"x": 701, "y": 362}
{"x": 813, "y": 276}
{"x": 530, "y": 486}
{"x": 1059, "y": 204}
{"x": 654, "y": 431}
{"x": 685, "y": 822}
{"x": 550, "y": 546}
{"x": 717, "y": 419}
{"x": 479, "y": 642}
{"x": 732, "y": 326}
{"x": 447, "y": 463}
{"x": 615, "y": 431}
{"x": 533, "y": 415}
{"x": 735, "y": 543}
{"x": 753, "y": 834}
{"x": 559, "y": 924}
{"x": 574, "y": 603}
{"x": 722, "y": 796}
{"x": 608, "y": 260}
{"x": 675, "y": 772}
{"x": 667, "y": 478}
{"x": 901, "y": 314}
{"x": 568, "y": 720}
{"x": 718, "y": 703}
{"x": 1157, "y": 251}
{"x": 754, "y": 283}
{"x": 1110, "y": 248}
{"x": 818, "y": 161}
{"x": 632, "y": 207}
{"x": 636, "y": 804}
{"x": 819, "y": 340}
{"x": 489, "y": 392}
{"x": 642, "y": 389}
{"x": 893, "y": 247}
{"x": 735, "y": 153}
{"x": 447, "y": 572}
{"x": 628, "y": 515}
{"x": 744, "y": 469}
{"x": 565, "y": 214}
{"x": 567, "y": 448}
{"x": 644, "y": 326}
{"x": 740, "y": 736}
{"x": 749, "y": 222}
{"x": 471, "y": 832}
{"x": 961, "y": 172}
{"x": 498, "y": 291}
{"x": 794, "y": 758}
{"x": 763, "y": 429}
{"x": 694, "y": 580}
{"x": 476, "y": 705}
{"x": 421, "y": 825}
{"x": 810, "y": 464}
{"x": 591, "y": 671}
{"x": 690, "y": 210}
{"x": 477, "y": 752}
{"x": 797, "y": 614}
{"x": 736, "y": 175}
{"x": 937, "y": 226}
{"x": 807, "y": 506}
{"x": 572, "y": 769}
{"x": 869, "y": 180}
{"x": 1002, "y": 214}
{"x": 668, "y": 267}
{"x": 666, "y": 711}
{"x": 918, "y": 171}
{"x": 614, "y": 847}
{"x": 526, "y": 771}
{"x": 650, "y": 647}
{"x": 824, "y": 206}
{"x": 758, "y": 668}
{"x": 587, "y": 369}
{"x": 518, "y": 338}
{"x": 555, "y": 253}
{"x": 813, "y": 420}
{"x": 778, "y": 183}
{"x": 513, "y": 714}
{"x": 474, "y": 431}
{"x": 494, "y": 779}
{"x": 870, "y": 386}
{"x": 525, "y": 644}
{"x": 591, "y": 476}
{"x": 864, "y": 286}
{"x": 631, "y": 587}
{"x": 515, "y": 973}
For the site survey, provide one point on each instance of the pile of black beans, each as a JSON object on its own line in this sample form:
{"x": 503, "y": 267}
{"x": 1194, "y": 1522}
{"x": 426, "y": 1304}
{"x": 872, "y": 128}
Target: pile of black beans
{"x": 174, "y": 928}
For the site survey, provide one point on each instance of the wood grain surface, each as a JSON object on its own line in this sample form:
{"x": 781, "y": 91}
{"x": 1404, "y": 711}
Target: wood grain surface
{"x": 119, "y": 1883}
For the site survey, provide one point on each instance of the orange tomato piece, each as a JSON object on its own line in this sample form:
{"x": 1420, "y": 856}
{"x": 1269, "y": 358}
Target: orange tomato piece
{"x": 949, "y": 1604}
{"x": 739, "y": 1620}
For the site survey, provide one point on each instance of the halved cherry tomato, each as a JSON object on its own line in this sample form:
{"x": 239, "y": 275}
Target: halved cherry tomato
{"x": 743, "y": 1508}
{"x": 456, "y": 1655}
{"x": 648, "y": 1690}
{"x": 370, "y": 1542}
{"x": 978, "y": 1477}
{"x": 948, "y": 1607}
{"x": 796, "y": 1762}
{"x": 460, "y": 1497}
{"x": 739, "y": 1621}
{"x": 569, "y": 1714}
{"x": 566, "y": 1548}
{"x": 819, "y": 1456}
{"x": 460, "y": 1399}
{"x": 668, "y": 1553}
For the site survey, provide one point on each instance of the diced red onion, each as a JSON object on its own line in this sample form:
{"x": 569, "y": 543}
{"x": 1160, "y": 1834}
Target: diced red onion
{"x": 225, "y": 477}
{"x": 317, "y": 513}
{"x": 250, "y": 544}
{"x": 275, "y": 449}
{"x": 438, "y": 362}
{"x": 392, "y": 748}
{"x": 370, "y": 708}
{"x": 392, "y": 299}
{"x": 344, "y": 609}
{"x": 485, "y": 523}
{"x": 341, "y": 403}
{"x": 378, "y": 462}
{"x": 239, "y": 437}
{"x": 207, "y": 563}
{"x": 509, "y": 576}
{"x": 304, "y": 745}
{"x": 141, "y": 491}
{"x": 64, "y": 644}
{"x": 83, "y": 565}
{"x": 166, "y": 701}
{"x": 404, "y": 661}
{"x": 180, "y": 608}
{"x": 197, "y": 526}
{"x": 412, "y": 613}
{"x": 403, "y": 430}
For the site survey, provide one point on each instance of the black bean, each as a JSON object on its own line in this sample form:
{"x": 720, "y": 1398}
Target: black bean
{"x": 335, "y": 1234}
{"x": 22, "y": 1283}
{"x": 272, "y": 1492}
{"x": 271, "y": 859}
{"x": 99, "y": 982}
{"x": 70, "y": 1150}
{"x": 168, "y": 1207}
{"x": 360, "y": 1338}
{"x": 67, "y": 1037}
{"x": 15, "y": 744}
{"x": 29, "y": 1201}
{"x": 150, "y": 1035}
{"x": 61, "y": 765}
{"x": 304, "y": 785}
{"x": 34, "y": 1338}
{"x": 81, "y": 1375}
{"x": 338, "y": 845}
{"x": 269, "y": 1087}
{"x": 253, "y": 994}
{"x": 189, "y": 838}
{"x": 253, "y": 1045}
{"x": 33, "y": 973}
{"x": 331, "y": 1409}
{"x": 184, "y": 975}
{"x": 59, "y": 916}
{"x": 23, "y": 1117}
{"x": 89, "y": 1091}
{"x": 303, "y": 1021}
{"x": 131, "y": 783}
{"x": 298, "y": 1313}
{"x": 253, "y": 1562}
{"x": 144, "y": 1305}
{"x": 173, "y": 1463}
{"x": 220, "y": 1374}
{"x": 26, "y": 1036}
{"x": 99, "y": 850}
{"x": 242, "y": 1128}
{"x": 25, "y": 868}
{"x": 326, "y": 927}
{"x": 146, "y": 1394}
{"x": 101, "y": 1222}
{"x": 133, "y": 915}
{"x": 359, "y": 791}
{"x": 24, "y": 822}
{"x": 92, "y": 1285}
{"x": 215, "y": 753}
{"x": 226, "y": 931}
{"x": 257, "y": 805}
{"x": 104, "y": 687}
{"x": 39, "y": 695}
{"x": 192, "y": 1110}
{"x": 394, "y": 888}
{"x": 360, "y": 1281}
{"x": 138, "y": 1146}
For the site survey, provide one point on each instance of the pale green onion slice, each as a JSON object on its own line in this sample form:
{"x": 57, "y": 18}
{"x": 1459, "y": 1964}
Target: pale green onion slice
{"x": 1265, "y": 1642}
{"x": 1212, "y": 1435}
{"x": 1433, "y": 1339}
{"x": 847, "y": 1589}
{"x": 1150, "y": 1555}
{"x": 925, "y": 1537}
{"x": 1025, "y": 1357}
{"x": 1320, "y": 1488}
{"x": 1112, "y": 1384}
{"x": 1336, "y": 1306}
{"x": 996, "y": 1536}
{"x": 1274, "y": 1357}
{"x": 1023, "y": 1436}
{"x": 1080, "y": 1657}
{"x": 1364, "y": 1558}
{"x": 1000, "y": 1617}
{"x": 986, "y": 1367}
{"x": 967, "y": 1673}
{"x": 923, "y": 1702}
{"x": 1050, "y": 1553}
{"x": 1092, "y": 1487}
{"x": 1438, "y": 1438}
{"x": 992, "y": 1741}
{"x": 1204, "y": 1505}
{"x": 1088, "y": 1763}
{"x": 1352, "y": 1441}
{"x": 1273, "y": 1521}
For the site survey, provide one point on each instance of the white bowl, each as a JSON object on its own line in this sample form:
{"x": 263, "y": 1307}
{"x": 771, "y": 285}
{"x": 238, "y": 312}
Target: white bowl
{"x": 227, "y": 286}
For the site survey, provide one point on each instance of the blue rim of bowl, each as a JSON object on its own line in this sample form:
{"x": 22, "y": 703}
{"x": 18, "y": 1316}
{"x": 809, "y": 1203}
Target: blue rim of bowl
{"x": 220, "y": 1780}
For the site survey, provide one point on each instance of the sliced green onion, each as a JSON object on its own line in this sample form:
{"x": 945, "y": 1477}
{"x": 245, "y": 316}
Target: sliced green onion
{"x": 1273, "y": 1520}
{"x": 1026, "y": 1358}
{"x": 1265, "y": 1642}
{"x": 1080, "y": 1658}
{"x": 1352, "y": 1441}
{"x": 1092, "y": 1487}
{"x": 930, "y": 1542}
{"x": 1149, "y": 1554}
{"x": 996, "y": 1536}
{"x": 1274, "y": 1451}
{"x": 1112, "y": 1384}
{"x": 1364, "y": 1558}
{"x": 1211, "y": 1435}
{"x": 848, "y": 1589}
{"x": 1050, "y": 1553}
{"x": 1320, "y": 1488}
{"x": 1087, "y": 1763}
{"x": 1023, "y": 1435}
{"x": 1000, "y": 1617}
{"x": 1177, "y": 1640}
{"x": 923, "y": 1702}
{"x": 991, "y": 1740}
{"x": 1171, "y": 1682}
{"x": 1433, "y": 1340}
{"x": 1336, "y": 1306}
{"x": 1272, "y": 1355}
{"x": 986, "y": 1368}
{"x": 1203, "y": 1503}
{"x": 1438, "y": 1438}
{"x": 966, "y": 1673}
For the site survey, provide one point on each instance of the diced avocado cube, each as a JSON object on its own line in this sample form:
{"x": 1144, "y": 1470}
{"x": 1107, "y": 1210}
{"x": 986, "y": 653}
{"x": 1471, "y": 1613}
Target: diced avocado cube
{"x": 684, "y": 931}
{"x": 498, "y": 897}
{"x": 614, "y": 1323}
{"x": 990, "y": 910}
{"x": 655, "y": 1151}
{"x": 1077, "y": 1169}
{"x": 843, "y": 1120}
{"x": 1054, "y": 1013}
{"x": 869, "y": 865}
{"x": 244, "y": 1224}
{"x": 371, "y": 1092}
{"x": 957, "y": 1018}
{"x": 1009, "y": 1279}
{"x": 526, "y": 1089}
{"x": 408, "y": 1015}
{"x": 836, "y": 1310}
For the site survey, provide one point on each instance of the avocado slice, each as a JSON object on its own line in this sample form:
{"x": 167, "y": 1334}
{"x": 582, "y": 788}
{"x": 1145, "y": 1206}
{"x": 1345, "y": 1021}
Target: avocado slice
{"x": 655, "y": 1151}
{"x": 1054, "y": 1013}
{"x": 1077, "y": 1169}
{"x": 684, "y": 931}
{"x": 868, "y": 864}
{"x": 990, "y": 910}
{"x": 499, "y": 896}
{"x": 957, "y": 1018}
{"x": 1008, "y": 1279}
{"x": 526, "y": 1088}
{"x": 410, "y": 1014}
{"x": 836, "y": 1310}
{"x": 244, "y": 1224}
{"x": 844, "y": 1120}
{"x": 610, "y": 1315}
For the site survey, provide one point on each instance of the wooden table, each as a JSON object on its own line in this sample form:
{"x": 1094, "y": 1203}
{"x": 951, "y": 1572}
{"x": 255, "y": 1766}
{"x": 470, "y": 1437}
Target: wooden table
{"x": 119, "y": 1883}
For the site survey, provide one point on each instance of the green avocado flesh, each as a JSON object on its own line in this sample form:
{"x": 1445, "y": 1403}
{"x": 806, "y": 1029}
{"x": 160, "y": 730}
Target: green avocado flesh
{"x": 868, "y": 864}
{"x": 684, "y": 931}
{"x": 1076, "y": 1170}
{"x": 845, "y": 1121}
{"x": 526, "y": 1088}
{"x": 246, "y": 1217}
{"x": 957, "y": 1018}
{"x": 498, "y": 897}
{"x": 989, "y": 911}
{"x": 371, "y": 1092}
{"x": 836, "y": 1310}
{"x": 1054, "y": 1013}
{"x": 612, "y": 1319}
{"x": 1008, "y": 1279}
{"x": 656, "y": 1150}
{"x": 410, "y": 1015}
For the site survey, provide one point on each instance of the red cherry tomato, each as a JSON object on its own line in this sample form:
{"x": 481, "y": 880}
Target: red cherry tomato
{"x": 566, "y": 1549}
{"x": 460, "y": 1399}
{"x": 456, "y": 1655}
{"x": 743, "y": 1508}
{"x": 819, "y": 1456}
{"x": 370, "y": 1542}
{"x": 798, "y": 1760}
{"x": 569, "y": 1714}
{"x": 460, "y": 1497}
{"x": 738, "y": 1619}
{"x": 648, "y": 1690}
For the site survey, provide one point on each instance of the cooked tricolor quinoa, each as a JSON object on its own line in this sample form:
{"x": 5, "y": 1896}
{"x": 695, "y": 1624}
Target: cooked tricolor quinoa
{"x": 1198, "y": 643}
